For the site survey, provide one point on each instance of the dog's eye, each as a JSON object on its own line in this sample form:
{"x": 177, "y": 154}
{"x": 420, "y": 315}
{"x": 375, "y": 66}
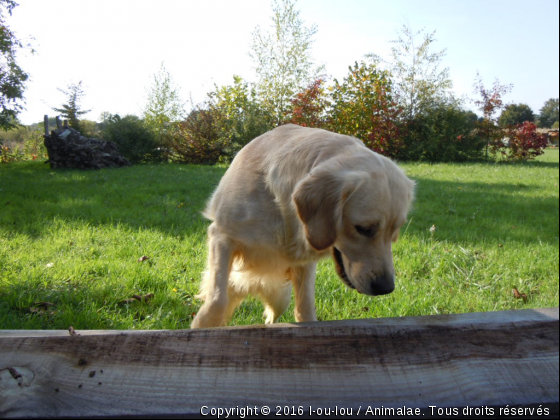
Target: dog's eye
{"x": 367, "y": 231}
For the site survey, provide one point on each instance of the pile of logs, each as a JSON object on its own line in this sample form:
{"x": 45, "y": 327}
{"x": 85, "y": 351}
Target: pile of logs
{"x": 67, "y": 148}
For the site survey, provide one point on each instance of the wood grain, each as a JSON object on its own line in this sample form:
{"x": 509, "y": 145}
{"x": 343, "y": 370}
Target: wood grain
{"x": 483, "y": 359}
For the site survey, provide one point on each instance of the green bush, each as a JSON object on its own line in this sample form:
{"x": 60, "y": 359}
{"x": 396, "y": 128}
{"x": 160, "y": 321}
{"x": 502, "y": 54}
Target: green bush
{"x": 7, "y": 155}
{"x": 238, "y": 114}
{"x": 443, "y": 134}
{"x": 136, "y": 142}
{"x": 22, "y": 143}
{"x": 364, "y": 106}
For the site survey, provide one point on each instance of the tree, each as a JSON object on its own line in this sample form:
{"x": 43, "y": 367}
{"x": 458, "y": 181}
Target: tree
{"x": 363, "y": 106}
{"x": 514, "y": 114}
{"x": 549, "y": 113}
{"x": 12, "y": 77}
{"x": 283, "y": 60}
{"x": 72, "y": 109}
{"x": 490, "y": 103}
{"x": 238, "y": 114}
{"x": 525, "y": 142}
{"x": 309, "y": 108}
{"x": 199, "y": 139}
{"x": 420, "y": 83}
{"x": 163, "y": 105}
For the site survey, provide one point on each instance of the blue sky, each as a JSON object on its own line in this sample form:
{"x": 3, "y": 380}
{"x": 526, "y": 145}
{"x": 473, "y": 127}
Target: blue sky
{"x": 115, "y": 47}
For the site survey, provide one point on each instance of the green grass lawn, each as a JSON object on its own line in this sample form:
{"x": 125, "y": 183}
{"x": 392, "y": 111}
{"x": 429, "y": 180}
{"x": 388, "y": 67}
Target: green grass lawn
{"x": 70, "y": 244}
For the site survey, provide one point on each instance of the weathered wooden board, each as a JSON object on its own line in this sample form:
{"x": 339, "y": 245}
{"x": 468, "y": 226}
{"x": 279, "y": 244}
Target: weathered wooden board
{"x": 484, "y": 361}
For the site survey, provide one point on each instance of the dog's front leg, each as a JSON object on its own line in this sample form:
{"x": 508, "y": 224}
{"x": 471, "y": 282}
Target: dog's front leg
{"x": 215, "y": 286}
{"x": 303, "y": 279}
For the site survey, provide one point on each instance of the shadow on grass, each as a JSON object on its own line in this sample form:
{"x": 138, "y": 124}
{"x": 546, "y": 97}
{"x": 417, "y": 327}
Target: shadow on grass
{"x": 25, "y": 306}
{"x": 170, "y": 198}
{"x": 469, "y": 212}
{"x": 552, "y": 165}
{"x": 532, "y": 164}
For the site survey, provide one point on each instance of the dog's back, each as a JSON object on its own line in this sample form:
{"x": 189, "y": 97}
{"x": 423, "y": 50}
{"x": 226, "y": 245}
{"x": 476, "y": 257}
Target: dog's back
{"x": 254, "y": 198}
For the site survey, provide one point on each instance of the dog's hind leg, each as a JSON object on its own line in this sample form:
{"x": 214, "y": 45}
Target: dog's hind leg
{"x": 276, "y": 300}
{"x": 303, "y": 279}
{"x": 214, "y": 288}
{"x": 236, "y": 295}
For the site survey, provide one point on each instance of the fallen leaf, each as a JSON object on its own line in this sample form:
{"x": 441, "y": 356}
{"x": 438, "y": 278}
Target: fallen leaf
{"x": 127, "y": 301}
{"x": 72, "y": 331}
{"x": 43, "y": 308}
{"x": 518, "y": 295}
{"x": 138, "y": 298}
{"x": 44, "y": 305}
{"x": 144, "y": 298}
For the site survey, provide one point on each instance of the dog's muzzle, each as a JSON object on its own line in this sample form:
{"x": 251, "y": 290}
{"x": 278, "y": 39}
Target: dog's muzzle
{"x": 339, "y": 266}
{"x": 379, "y": 285}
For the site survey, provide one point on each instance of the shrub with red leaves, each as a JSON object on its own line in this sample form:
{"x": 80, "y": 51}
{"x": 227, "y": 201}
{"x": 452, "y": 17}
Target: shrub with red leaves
{"x": 525, "y": 142}
{"x": 309, "y": 107}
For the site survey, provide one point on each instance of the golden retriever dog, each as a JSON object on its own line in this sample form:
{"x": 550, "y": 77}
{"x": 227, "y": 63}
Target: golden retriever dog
{"x": 291, "y": 197}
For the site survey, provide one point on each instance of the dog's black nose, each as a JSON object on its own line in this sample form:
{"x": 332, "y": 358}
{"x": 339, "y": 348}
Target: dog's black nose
{"x": 382, "y": 285}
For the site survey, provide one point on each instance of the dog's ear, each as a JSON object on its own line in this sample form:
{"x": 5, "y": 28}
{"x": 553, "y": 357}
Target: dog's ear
{"x": 319, "y": 199}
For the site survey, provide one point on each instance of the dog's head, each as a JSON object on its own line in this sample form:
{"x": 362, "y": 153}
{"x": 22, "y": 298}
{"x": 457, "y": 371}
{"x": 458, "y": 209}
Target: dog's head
{"x": 356, "y": 206}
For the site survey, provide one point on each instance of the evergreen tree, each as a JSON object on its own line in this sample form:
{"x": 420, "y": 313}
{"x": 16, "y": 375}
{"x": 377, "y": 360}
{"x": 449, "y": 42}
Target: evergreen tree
{"x": 72, "y": 109}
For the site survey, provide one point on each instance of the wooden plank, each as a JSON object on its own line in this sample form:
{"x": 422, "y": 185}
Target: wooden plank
{"x": 484, "y": 361}
{"x": 46, "y": 124}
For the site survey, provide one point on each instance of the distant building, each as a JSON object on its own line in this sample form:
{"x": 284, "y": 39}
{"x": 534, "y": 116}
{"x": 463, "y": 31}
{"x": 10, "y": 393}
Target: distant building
{"x": 551, "y": 135}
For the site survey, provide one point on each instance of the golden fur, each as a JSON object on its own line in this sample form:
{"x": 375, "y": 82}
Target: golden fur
{"x": 290, "y": 198}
